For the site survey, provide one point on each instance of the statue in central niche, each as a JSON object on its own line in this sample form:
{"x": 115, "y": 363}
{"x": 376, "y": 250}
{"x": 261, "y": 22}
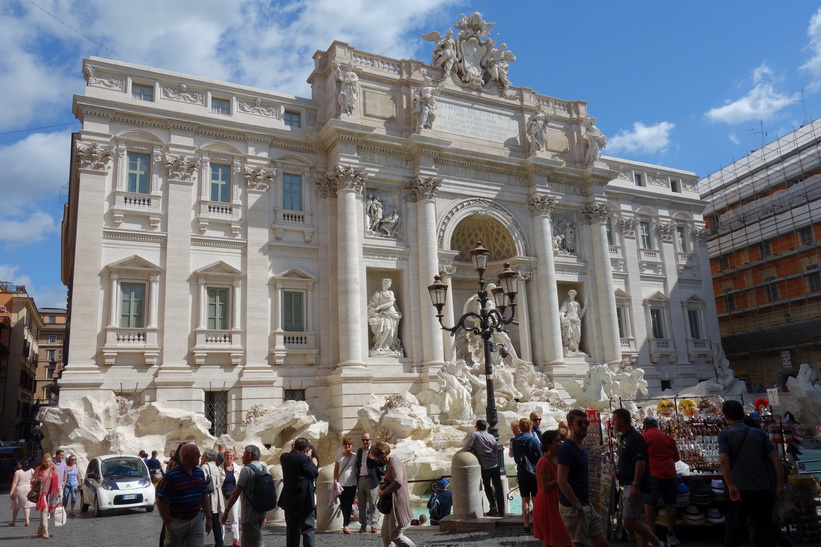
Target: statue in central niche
{"x": 571, "y": 314}
{"x": 383, "y": 319}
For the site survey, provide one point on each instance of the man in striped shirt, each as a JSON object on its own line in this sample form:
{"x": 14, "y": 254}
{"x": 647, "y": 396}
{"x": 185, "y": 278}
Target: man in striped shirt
{"x": 182, "y": 500}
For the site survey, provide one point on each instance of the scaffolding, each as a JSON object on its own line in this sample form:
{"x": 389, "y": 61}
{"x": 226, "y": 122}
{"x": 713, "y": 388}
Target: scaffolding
{"x": 763, "y": 242}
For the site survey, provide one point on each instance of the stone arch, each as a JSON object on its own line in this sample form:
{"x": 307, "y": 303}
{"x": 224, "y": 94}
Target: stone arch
{"x": 221, "y": 147}
{"x": 132, "y": 135}
{"x": 483, "y": 220}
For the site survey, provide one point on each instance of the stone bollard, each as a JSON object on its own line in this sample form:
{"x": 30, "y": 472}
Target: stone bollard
{"x": 276, "y": 513}
{"x": 328, "y": 517}
{"x": 466, "y": 478}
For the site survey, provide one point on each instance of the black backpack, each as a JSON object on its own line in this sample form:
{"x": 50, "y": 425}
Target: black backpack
{"x": 262, "y": 494}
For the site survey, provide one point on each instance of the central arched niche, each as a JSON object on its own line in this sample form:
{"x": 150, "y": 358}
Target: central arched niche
{"x": 495, "y": 237}
{"x": 481, "y": 227}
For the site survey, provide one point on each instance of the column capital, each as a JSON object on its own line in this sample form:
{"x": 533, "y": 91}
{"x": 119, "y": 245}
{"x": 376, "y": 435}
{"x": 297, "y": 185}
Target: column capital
{"x": 541, "y": 206}
{"x": 666, "y": 230}
{"x": 259, "y": 178}
{"x": 182, "y": 168}
{"x": 628, "y": 226}
{"x": 340, "y": 178}
{"x": 595, "y": 213}
{"x": 421, "y": 188}
{"x": 94, "y": 156}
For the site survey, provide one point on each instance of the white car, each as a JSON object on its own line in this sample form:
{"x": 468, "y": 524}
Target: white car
{"x": 116, "y": 481}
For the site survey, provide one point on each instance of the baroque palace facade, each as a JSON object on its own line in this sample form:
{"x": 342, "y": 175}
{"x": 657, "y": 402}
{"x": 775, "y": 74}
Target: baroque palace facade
{"x": 226, "y": 246}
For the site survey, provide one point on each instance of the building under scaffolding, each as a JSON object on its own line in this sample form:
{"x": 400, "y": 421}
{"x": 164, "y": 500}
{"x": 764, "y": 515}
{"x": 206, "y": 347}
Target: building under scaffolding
{"x": 764, "y": 219}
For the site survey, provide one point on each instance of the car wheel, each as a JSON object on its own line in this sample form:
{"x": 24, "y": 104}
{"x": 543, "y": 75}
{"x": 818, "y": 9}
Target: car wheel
{"x": 83, "y": 504}
{"x": 98, "y": 512}
{"x": 149, "y": 509}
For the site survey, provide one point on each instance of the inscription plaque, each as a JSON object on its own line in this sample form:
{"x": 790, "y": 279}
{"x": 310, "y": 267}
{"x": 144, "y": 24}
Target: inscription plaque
{"x": 475, "y": 123}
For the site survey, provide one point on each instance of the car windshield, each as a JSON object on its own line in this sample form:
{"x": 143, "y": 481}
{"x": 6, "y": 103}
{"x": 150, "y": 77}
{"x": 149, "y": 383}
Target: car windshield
{"x": 116, "y": 468}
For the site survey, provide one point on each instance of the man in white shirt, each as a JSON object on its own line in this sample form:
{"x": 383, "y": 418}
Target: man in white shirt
{"x": 369, "y": 474}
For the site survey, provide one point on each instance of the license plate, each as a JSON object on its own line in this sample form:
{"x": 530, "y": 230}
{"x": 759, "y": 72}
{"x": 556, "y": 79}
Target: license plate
{"x": 130, "y": 497}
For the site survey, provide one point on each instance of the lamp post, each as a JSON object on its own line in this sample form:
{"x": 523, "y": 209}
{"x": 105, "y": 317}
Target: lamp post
{"x": 488, "y": 321}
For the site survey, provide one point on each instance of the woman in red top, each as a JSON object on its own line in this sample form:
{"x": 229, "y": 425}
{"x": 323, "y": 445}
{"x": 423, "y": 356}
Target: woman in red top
{"x": 50, "y": 495}
{"x": 548, "y": 525}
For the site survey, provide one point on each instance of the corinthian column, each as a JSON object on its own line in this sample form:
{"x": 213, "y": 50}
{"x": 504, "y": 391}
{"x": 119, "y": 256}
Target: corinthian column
{"x": 548, "y": 330}
{"x": 596, "y": 215}
{"x": 423, "y": 191}
{"x": 349, "y": 183}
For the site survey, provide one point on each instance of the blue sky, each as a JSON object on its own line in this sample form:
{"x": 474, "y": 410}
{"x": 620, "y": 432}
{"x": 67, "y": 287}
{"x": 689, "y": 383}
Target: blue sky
{"x": 688, "y": 85}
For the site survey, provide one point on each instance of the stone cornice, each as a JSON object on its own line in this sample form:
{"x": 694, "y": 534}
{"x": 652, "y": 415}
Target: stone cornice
{"x": 221, "y": 133}
{"x": 122, "y": 235}
{"x": 144, "y": 121}
{"x": 374, "y": 252}
{"x": 217, "y": 243}
{"x": 292, "y": 250}
{"x": 85, "y": 110}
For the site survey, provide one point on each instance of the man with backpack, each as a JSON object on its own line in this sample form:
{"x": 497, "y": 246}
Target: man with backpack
{"x": 260, "y": 497}
{"x": 299, "y": 472}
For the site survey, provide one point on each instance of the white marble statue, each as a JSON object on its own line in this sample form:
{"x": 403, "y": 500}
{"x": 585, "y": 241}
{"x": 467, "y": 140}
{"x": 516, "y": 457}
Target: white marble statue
{"x": 445, "y": 53}
{"x": 390, "y": 225}
{"x": 424, "y": 104}
{"x": 596, "y": 141}
{"x": 537, "y": 132}
{"x": 383, "y": 318}
{"x": 348, "y": 87}
{"x": 601, "y": 384}
{"x": 373, "y": 211}
{"x": 571, "y": 314}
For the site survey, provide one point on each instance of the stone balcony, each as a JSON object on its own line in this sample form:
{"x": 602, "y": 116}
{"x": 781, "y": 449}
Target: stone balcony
{"x": 303, "y": 345}
{"x": 138, "y": 205}
{"x": 216, "y": 344}
{"x": 218, "y": 212}
{"x": 140, "y": 342}
{"x": 698, "y": 346}
{"x": 662, "y": 347}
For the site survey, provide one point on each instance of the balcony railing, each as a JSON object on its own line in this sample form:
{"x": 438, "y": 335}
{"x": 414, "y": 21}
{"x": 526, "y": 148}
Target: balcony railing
{"x": 218, "y": 343}
{"x": 304, "y": 346}
{"x": 141, "y": 342}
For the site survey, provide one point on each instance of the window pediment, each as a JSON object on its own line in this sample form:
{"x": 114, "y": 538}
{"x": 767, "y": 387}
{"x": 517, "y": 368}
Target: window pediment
{"x": 134, "y": 263}
{"x": 656, "y": 298}
{"x": 218, "y": 269}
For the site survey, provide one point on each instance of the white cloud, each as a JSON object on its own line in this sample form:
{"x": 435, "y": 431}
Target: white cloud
{"x": 813, "y": 66}
{"x": 762, "y": 102}
{"x": 35, "y": 168}
{"x": 16, "y": 232}
{"x": 642, "y": 138}
{"x": 733, "y": 138}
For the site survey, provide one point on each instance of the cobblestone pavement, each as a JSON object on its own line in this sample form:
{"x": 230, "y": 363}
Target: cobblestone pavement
{"x": 140, "y": 529}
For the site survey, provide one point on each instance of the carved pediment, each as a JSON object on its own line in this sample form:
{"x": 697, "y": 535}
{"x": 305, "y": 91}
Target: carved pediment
{"x": 134, "y": 263}
{"x": 218, "y": 269}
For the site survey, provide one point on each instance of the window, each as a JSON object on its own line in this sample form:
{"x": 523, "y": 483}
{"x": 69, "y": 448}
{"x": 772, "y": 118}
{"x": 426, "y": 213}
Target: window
{"x": 292, "y": 192}
{"x": 292, "y": 311}
{"x": 216, "y": 412}
{"x": 220, "y": 106}
{"x": 292, "y": 119}
{"x": 646, "y": 237}
{"x": 52, "y": 355}
{"x": 657, "y": 322}
{"x": 666, "y": 384}
{"x": 639, "y": 179}
{"x": 806, "y": 236}
{"x": 771, "y": 289}
{"x": 52, "y": 339}
{"x": 132, "y": 304}
{"x": 293, "y": 394}
{"x": 675, "y": 185}
{"x": 142, "y": 92}
{"x": 608, "y": 226}
{"x": 220, "y": 183}
{"x": 52, "y": 319}
{"x": 730, "y": 300}
{"x": 218, "y": 308}
{"x": 766, "y": 248}
{"x": 138, "y": 172}
{"x": 724, "y": 262}
{"x": 620, "y": 321}
{"x": 694, "y": 321}
{"x": 813, "y": 277}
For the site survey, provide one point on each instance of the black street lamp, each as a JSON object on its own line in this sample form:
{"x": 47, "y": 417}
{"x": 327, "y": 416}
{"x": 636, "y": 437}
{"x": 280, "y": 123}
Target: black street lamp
{"x": 487, "y": 322}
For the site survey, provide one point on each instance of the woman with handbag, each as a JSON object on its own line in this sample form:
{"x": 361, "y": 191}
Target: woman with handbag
{"x": 345, "y": 475}
{"x": 47, "y": 483}
{"x": 395, "y": 490}
{"x": 20, "y": 488}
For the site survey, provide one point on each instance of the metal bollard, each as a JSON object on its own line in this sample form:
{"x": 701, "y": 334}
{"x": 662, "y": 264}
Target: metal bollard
{"x": 466, "y": 479}
{"x": 328, "y": 517}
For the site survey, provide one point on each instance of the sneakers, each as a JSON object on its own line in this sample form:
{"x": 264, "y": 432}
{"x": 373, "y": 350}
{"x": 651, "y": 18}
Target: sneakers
{"x": 672, "y": 541}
